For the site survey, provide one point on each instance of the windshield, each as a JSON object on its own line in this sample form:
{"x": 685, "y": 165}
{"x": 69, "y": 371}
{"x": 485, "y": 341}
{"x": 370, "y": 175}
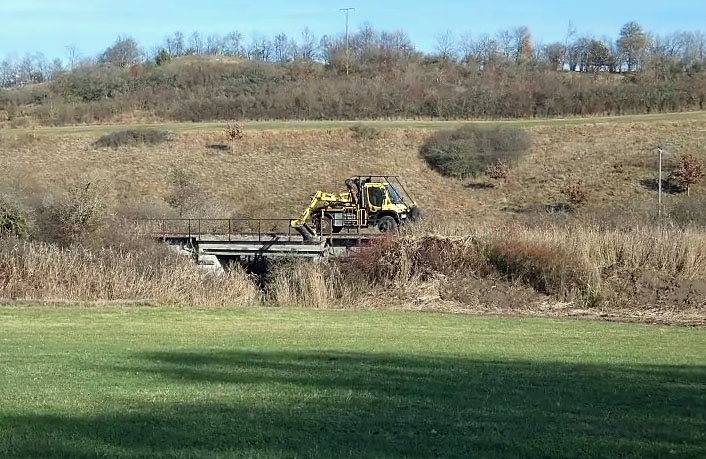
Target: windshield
{"x": 395, "y": 195}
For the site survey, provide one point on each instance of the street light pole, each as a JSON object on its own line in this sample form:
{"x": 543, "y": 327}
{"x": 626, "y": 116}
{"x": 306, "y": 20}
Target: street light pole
{"x": 348, "y": 59}
{"x": 660, "y": 150}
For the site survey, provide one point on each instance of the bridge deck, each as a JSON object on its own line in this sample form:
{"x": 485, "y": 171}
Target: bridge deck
{"x": 269, "y": 246}
{"x": 234, "y": 238}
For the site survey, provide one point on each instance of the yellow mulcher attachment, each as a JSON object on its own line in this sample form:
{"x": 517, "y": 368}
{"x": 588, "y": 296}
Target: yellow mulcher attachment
{"x": 321, "y": 200}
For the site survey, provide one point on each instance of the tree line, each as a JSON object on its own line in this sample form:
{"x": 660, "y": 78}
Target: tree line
{"x": 382, "y": 75}
{"x": 634, "y": 49}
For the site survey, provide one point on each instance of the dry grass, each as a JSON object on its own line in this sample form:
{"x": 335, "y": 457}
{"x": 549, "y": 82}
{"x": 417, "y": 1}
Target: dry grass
{"x": 273, "y": 173}
{"x": 584, "y": 267}
{"x": 474, "y": 229}
{"x": 44, "y": 272}
{"x": 511, "y": 269}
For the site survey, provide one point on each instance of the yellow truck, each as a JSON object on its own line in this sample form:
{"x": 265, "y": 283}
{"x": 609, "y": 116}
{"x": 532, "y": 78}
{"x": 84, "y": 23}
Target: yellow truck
{"x": 379, "y": 202}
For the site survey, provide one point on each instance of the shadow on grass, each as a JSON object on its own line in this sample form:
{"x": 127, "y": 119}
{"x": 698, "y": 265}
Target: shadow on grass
{"x": 218, "y": 147}
{"x": 667, "y": 187}
{"x": 329, "y": 404}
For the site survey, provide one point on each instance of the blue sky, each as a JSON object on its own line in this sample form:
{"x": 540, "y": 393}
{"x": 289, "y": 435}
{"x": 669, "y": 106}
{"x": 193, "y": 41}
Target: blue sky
{"x": 48, "y": 26}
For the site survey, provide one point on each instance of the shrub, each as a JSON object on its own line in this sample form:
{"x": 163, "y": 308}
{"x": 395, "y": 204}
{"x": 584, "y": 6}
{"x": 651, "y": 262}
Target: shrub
{"x": 689, "y": 212}
{"x": 469, "y": 152}
{"x": 498, "y": 171}
{"x": 548, "y": 268}
{"x": 234, "y": 133}
{"x": 363, "y": 132}
{"x": 80, "y": 214}
{"x": 13, "y": 220}
{"x": 185, "y": 191}
{"x": 133, "y": 137}
{"x": 576, "y": 193}
{"x": 689, "y": 171}
{"x": 163, "y": 57}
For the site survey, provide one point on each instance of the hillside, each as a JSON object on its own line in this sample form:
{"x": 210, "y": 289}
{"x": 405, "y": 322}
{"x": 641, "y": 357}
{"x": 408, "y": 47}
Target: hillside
{"x": 274, "y": 170}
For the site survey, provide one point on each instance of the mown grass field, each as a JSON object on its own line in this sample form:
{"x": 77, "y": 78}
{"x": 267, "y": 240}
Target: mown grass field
{"x": 301, "y": 383}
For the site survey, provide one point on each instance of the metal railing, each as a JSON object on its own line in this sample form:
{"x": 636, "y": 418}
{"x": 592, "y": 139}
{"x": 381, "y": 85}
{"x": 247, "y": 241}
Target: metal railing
{"x": 227, "y": 228}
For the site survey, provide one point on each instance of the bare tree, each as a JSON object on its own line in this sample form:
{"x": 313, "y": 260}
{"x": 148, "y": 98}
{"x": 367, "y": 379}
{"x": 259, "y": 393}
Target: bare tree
{"x": 279, "y": 47}
{"x": 467, "y": 47}
{"x": 396, "y": 44}
{"x": 506, "y": 44}
{"x": 307, "y": 49}
{"x": 8, "y": 72}
{"x": 446, "y": 46}
{"x": 234, "y": 44}
{"x": 554, "y": 54}
{"x": 179, "y": 44}
{"x": 214, "y": 45}
{"x": 196, "y": 43}
{"x": 487, "y": 49}
{"x": 260, "y": 48}
{"x": 73, "y": 55}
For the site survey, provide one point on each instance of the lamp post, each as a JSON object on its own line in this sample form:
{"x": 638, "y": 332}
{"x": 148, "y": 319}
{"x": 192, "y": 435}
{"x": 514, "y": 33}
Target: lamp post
{"x": 660, "y": 150}
{"x": 347, "y": 11}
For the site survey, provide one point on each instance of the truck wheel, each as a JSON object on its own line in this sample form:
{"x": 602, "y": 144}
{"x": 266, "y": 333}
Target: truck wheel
{"x": 387, "y": 224}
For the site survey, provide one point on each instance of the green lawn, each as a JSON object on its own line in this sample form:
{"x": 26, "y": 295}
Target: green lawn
{"x": 267, "y": 383}
{"x": 382, "y": 124}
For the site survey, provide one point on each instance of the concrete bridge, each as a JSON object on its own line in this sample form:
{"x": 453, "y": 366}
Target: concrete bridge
{"x": 219, "y": 241}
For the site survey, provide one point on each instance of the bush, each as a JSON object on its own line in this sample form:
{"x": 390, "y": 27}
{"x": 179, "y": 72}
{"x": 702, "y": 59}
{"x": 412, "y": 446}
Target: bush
{"x": 163, "y": 57}
{"x": 499, "y": 171}
{"x": 549, "y": 269}
{"x": 689, "y": 171}
{"x": 80, "y": 214}
{"x": 576, "y": 193}
{"x": 133, "y": 137}
{"x": 13, "y": 220}
{"x": 689, "y": 212}
{"x": 468, "y": 152}
{"x": 365, "y": 132}
{"x": 185, "y": 193}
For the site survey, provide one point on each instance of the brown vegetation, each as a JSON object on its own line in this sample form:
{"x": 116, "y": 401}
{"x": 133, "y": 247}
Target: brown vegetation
{"x": 688, "y": 172}
{"x": 32, "y": 271}
{"x": 576, "y": 193}
{"x": 479, "y": 250}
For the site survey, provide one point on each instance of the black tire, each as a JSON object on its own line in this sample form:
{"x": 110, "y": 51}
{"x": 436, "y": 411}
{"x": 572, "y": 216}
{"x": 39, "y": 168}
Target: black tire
{"x": 388, "y": 224}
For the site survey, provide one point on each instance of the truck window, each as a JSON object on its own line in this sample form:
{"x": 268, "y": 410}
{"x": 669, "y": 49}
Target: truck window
{"x": 376, "y": 196}
{"x": 395, "y": 194}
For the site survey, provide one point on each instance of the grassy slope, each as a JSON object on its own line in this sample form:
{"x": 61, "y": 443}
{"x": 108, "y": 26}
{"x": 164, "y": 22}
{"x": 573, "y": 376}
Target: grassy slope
{"x": 292, "y": 383}
{"x": 274, "y": 172}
